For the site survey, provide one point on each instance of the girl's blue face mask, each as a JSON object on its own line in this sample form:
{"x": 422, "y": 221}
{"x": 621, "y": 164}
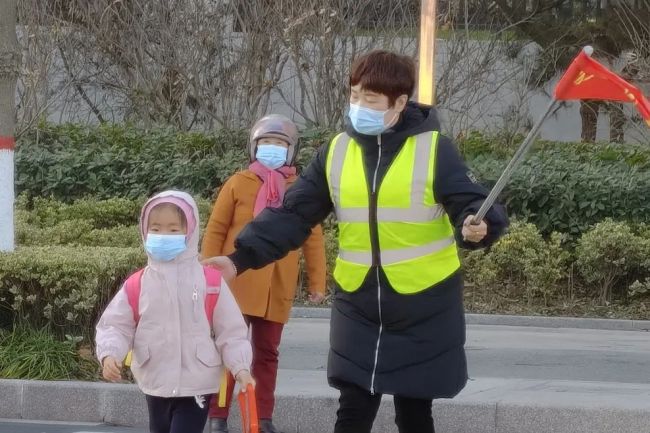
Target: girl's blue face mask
{"x": 165, "y": 248}
{"x": 272, "y": 156}
{"x": 366, "y": 120}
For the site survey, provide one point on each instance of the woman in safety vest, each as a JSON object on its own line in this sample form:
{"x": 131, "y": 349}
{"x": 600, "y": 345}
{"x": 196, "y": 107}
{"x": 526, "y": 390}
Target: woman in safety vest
{"x": 403, "y": 200}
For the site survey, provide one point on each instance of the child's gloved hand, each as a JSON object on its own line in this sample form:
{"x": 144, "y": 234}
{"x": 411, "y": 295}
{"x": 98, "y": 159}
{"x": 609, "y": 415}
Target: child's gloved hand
{"x": 112, "y": 369}
{"x": 316, "y": 298}
{"x": 244, "y": 379}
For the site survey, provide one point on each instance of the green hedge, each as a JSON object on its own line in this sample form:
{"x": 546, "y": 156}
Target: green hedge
{"x": 71, "y": 258}
{"x": 63, "y": 286}
{"x": 66, "y": 284}
{"x": 522, "y": 263}
{"x": 98, "y": 213}
{"x": 567, "y": 187}
{"x": 70, "y": 162}
{"x": 558, "y": 191}
{"x": 613, "y": 255}
{"x": 86, "y": 222}
{"x": 477, "y": 144}
{"x": 611, "y": 261}
{"x": 563, "y": 187}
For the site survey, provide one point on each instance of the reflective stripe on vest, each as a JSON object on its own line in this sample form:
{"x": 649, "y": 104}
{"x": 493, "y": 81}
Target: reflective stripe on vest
{"x": 416, "y": 239}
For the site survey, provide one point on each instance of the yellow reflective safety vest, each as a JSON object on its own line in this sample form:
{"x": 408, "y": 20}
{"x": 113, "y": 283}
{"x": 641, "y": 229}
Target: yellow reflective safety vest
{"x": 415, "y": 246}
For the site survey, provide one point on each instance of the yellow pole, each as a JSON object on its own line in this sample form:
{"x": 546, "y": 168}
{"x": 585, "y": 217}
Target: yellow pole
{"x": 427, "y": 55}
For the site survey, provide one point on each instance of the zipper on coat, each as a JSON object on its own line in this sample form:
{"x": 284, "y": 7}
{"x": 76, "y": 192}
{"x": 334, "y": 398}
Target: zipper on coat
{"x": 372, "y": 217}
{"x": 374, "y": 239}
{"x": 196, "y": 307}
{"x": 381, "y": 329}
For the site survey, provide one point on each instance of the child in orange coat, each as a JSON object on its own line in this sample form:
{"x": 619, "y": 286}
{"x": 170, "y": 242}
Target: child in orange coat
{"x": 265, "y": 296}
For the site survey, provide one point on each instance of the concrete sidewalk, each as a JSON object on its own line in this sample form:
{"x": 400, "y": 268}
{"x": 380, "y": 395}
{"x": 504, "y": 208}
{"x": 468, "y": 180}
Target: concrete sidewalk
{"x": 306, "y": 405}
{"x": 23, "y": 426}
{"x": 526, "y": 378}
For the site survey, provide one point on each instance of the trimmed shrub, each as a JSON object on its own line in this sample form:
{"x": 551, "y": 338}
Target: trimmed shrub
{"x": 70, "y": 162}
{"x": 522, "y": 262}
{"x": 565, "y": 187}
{"x": 87, "y": 222}
{"x": 610, "y": 257}
{"x": 499, "y": 147}
{"x": 559, "y": 192}
{"x": 100, "y": 214}
{"x": 63, "y": 286}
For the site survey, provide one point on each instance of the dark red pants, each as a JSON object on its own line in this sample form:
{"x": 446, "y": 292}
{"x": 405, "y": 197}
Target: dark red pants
{"x": 265, "y": 336}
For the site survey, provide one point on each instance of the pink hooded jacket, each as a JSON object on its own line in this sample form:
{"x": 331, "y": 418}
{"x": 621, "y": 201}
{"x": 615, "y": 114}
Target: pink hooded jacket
{"x": 174, "y": 354}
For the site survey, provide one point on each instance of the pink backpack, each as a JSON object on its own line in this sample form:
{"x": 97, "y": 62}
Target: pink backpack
{"x": 133, "y": 287}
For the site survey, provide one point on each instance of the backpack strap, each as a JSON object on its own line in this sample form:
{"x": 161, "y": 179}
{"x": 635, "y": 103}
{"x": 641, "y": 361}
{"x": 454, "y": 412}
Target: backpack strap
{"x": 213, "y": 288}
{"x": 133, "y": 286}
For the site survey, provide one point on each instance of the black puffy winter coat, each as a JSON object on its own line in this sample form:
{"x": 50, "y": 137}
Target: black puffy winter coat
{"x": 410, "y": 345}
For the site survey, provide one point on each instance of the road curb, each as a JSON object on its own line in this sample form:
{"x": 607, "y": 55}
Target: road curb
{"x": 505, "y": 320}
{"x": 486, "y": 406}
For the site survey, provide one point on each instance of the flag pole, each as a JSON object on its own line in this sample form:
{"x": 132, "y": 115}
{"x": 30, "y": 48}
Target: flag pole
{"x": 513, "y": 164}
{"x": 427, "y": 53}
{"x": 523, "y": 149}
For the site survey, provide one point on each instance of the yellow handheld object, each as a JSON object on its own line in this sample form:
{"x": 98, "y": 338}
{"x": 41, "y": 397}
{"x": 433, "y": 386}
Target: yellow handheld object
{"x": 127, "y": 360}
{"x": 223, "y": 388}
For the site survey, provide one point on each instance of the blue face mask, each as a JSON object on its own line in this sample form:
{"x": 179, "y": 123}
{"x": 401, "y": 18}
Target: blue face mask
{"x": 271, "y": 156}
{"x": 366, "y": 120}
{"x": 165, "y": 247}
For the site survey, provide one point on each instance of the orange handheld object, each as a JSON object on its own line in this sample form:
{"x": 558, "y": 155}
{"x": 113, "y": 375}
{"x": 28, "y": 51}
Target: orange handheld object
{"x": 248, "y": 406}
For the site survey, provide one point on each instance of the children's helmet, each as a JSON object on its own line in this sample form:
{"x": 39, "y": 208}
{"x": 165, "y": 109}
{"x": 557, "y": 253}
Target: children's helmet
{"x": 275, "y": 126}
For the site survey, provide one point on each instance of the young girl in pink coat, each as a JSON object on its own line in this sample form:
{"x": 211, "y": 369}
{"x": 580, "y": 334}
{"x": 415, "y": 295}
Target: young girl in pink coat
{"x": 177, "y": 356}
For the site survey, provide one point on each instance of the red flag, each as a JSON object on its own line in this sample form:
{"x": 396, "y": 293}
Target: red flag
{"x": 587, "y": 79}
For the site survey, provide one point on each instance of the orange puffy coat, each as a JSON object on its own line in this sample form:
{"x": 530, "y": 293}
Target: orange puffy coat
{"x": 268, "y": 292}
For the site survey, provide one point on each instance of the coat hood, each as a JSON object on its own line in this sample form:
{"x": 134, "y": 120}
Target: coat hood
{"x": 187, "y": 204}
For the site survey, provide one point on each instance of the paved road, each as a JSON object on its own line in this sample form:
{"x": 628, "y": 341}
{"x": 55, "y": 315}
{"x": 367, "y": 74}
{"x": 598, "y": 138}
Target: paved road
{"x": 510, "y": 352}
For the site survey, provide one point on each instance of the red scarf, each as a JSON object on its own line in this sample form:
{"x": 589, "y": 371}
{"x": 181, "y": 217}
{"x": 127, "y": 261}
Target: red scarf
{"x": 274, "y": 185}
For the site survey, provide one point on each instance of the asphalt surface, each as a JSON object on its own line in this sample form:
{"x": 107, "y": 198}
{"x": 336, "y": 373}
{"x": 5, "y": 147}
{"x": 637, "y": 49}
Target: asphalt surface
{"x": 511, "y": 352}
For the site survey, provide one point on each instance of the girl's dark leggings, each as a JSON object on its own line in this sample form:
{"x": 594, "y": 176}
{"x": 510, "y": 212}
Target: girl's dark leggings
{"x": 177, "y": 415}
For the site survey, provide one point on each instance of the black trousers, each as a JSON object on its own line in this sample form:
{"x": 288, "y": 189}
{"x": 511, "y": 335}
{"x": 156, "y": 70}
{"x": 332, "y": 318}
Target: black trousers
{"x": 358, "y": 409}
{"x": 177, "y": 415}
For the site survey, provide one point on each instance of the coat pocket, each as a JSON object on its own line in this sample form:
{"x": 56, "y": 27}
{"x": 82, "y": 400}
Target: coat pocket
{"x": 207, "y": 354}
{"x": 141, "y": 355}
